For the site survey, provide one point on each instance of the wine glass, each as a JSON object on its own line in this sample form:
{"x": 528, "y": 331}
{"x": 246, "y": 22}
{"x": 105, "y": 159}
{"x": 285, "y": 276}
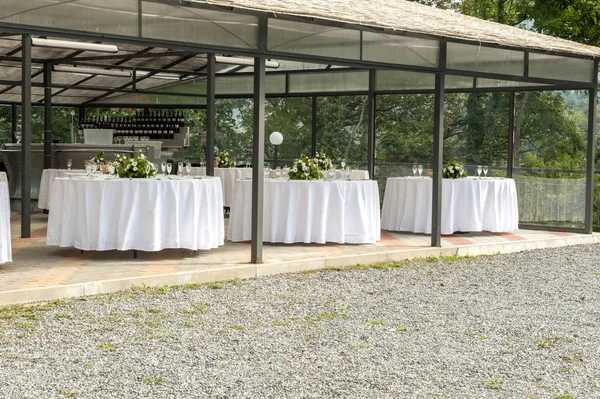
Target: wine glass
{"x": 306, "y": 171}
{"x": 331, "y": 173}
{"x": 94, "y": 167}
{"x": 478, "y": 171}
{"x": 111, "y": 169}
{"x": 247, "y": 164}
{"x": 414, "y": 169}
{"x": 420, "y": 169}
{"x": 147, "y": 169}
{"x": 169, "y": 167}
{"x": 286, "y": 171}
{"x": 343, "y": 163}
{"x": 188, "y": 168}
{"x": 347, "y": 174}
{"x": 278, "y": 172}
{"x": 69, "y": 163}
{"x": 163, "y": 167}
{"x": 180, "y": 168}
{"x": 267, "y": 171}
{"x": 485, "y": 170}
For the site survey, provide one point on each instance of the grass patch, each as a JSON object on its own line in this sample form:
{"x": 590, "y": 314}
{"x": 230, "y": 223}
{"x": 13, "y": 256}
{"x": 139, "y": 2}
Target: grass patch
{"x": 107, "y": 347}
{"x": 281, "y": 323}
{"x": 480, "y": 336}
{"x": 237, "y": 327}
{"x": 152, "y": 291}
{"x": 401, "y": 328}
{"x": 574, "y": 358}
{"x": 216, "y": 285}
{"x": 494, "y": 384}
{"x": 551, "y": 342}
{"x": 66, "y": 394}
{"x": 153, "y": 380}
{"x": 375, "y": 322}
{"x": 154, "y": 310}
{"x": 564, "y": 396}
{"x": 328, "y": 316}
{"x": 62, "y": 316}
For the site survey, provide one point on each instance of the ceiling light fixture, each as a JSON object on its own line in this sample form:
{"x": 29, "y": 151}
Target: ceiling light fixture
{"x": 244, "y": 61}
{"x": 92, "y": 71}
{"x": 66, "y": 44}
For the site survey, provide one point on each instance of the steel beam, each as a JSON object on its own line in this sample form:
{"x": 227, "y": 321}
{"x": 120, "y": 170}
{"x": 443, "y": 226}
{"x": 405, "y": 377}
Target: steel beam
{"x": 47, "y": 116}
{"x": 591, "y": 154}
{"x": 438, "y": 153}
{"x": 210, "y": 115}
{"x": 371, "y": 125}
{"x": 26, "y": 138}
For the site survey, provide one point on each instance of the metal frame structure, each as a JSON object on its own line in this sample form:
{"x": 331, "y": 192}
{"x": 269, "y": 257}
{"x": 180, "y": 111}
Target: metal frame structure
{"x": 186, "y": 51}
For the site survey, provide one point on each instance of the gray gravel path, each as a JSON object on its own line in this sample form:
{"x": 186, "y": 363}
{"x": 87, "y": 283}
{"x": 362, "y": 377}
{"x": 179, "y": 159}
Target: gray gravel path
{"x": 524, "y": 325}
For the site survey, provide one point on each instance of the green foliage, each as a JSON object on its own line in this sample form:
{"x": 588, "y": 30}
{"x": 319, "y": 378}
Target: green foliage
{"x": 454, "y": 170}
{"x": 224, "y": 160}
{"x": 134, "y": 167}
{"x": 297, "y": 172}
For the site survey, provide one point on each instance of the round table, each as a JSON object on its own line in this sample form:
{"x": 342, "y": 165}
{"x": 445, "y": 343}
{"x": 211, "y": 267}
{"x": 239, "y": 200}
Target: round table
{"x": 467, "y": 205}
{"x": 344, "y": 212}
{"x": 228, "y": 177}
{"x": 140, "y": 214}
{"x": 5, "y": 238}
{"x": 47, "y": 182}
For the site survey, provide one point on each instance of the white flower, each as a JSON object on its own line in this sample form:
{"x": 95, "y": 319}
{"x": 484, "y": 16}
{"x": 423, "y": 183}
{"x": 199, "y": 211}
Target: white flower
{"x": 445, "y": 170}
{"x": 451, "y": 168}
{"x": 142, "y": 156}
{"x": 295, "y": 169}
{"x": 135, "y": 168}
{"x": 134, "y": 163}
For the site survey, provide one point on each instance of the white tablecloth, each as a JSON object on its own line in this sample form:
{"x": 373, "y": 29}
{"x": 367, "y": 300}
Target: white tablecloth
{"x": 3, "y": 177}
{"x": 47, "y": 183}
{"x": 228, "y": 178}
{"x": 467, "y": 205}
{"x": 309, "y": 211}
{"x": 5, "y": 239}
{"x": 142, "y": 214}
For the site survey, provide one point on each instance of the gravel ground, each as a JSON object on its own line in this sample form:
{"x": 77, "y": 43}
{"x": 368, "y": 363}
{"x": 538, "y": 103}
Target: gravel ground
{"x": 524, "y": 325}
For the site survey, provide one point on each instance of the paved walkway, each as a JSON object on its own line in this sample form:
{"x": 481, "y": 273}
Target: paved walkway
{"x": 41, "y": 272}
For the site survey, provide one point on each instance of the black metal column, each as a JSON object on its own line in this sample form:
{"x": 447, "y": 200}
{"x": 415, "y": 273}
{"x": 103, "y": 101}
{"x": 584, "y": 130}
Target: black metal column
{"x": 47, "y": 116}
{"x": 210, "y": 114}
{"x": 26, "y": 137}
{"x": 14, "y": 118}
{"x": 371, "y": 126}
{"x": 438, "y": 156}
{"x": 258, "y": 159}
{"x": 591, "y": 154}
{"x": 314, "y": 126}
{"x": 511, "y": 135}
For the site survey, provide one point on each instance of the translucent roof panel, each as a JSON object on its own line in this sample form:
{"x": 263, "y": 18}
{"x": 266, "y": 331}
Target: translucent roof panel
{"x": 106, "y": 16}
{"x": 404, "y": 50}
{"x": 563, "y": 68}
{"x": 402, "y": 80}
{"x": 189, "y": 24}
{"x": 504, "y": 83}
{"x": 485, "y": 59}
{"x": 329, "y": 82}
{"x": 313, "y": 39}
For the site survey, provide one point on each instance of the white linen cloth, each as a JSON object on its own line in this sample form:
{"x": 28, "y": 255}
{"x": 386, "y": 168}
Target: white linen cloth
{"x": 142, "y": 214}
{"x": 354, "y": 174}
{"x": 309, "y": 211}
{"x": 47, "y": 182}
{"x": 228, "y": 178}
{"x": 467, "y": 205}
{"x": 5, "y": 238}
{"x": 3, "y": 177}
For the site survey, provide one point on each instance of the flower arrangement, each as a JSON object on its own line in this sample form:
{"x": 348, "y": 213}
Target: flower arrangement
{"x": 224, "y": 160}
{"x": 314, "y": 170}
{"x": 322, "y": 161}
{"x": 99, "y": 159}
{"x": 454, "y": 170}
{"x": 134, "y": 167}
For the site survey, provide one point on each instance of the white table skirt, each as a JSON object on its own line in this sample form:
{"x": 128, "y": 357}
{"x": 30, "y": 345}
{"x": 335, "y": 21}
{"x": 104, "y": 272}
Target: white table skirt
{"x": 47, "y": 183}
{"x": 228, "y": 178}
{"x": 467, "y": 205}
{"x": 3, "y": 177}
{"x": 309, "y": 211}
{"x": 142, "y": 214}
{"x": 5, "y": 238}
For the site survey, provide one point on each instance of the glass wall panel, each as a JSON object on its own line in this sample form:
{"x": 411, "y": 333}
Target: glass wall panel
{"x": 245, "y": 84}
{"x": 562, "y": 68}
{"x": 195, "y": 25}
{"x": 397, "y": 49}
{"x": 550, "y": 158}
{"x": 403, "y": 80}
{"x": 458, "y": 82}
{"x": 5, "y": 124}
{"x": 342, "y": 129}
{"x": 292, "y": 117}
{"x": 329, "y": 82}
{"x": 485, "y": 59}
{"x": 504, "y": 83}
{"x": 476, "y": 131}
{"x": 118, "y": 17}
{"x": 234, "y": 128}
{"x": 313, "y": 39}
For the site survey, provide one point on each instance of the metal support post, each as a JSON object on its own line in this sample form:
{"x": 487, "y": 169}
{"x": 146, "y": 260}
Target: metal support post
{"x": 14, "y": 120}
{"x": 258, "y": 159}
{"x": 47, "y": 116}
{"x": 371, "y": 125}
{"x": 314, "y": 126}
{"x": 438, "y": 156}
{"x": 591, "y": 155}
{"x": 511, "y": 135}
{"x": 26, "y": 137}
{"x": 210, "y": 114}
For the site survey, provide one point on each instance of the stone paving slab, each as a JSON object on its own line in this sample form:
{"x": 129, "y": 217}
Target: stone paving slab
{"x": 41, "y": 272}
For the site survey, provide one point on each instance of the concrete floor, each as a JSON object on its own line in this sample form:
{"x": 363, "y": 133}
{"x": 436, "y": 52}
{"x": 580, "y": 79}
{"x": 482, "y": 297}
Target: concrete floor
{"x": 41, "y": 272}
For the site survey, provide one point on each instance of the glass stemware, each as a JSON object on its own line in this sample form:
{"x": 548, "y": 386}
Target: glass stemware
{"x": 180, "y": 168}
{"x": 485, "y": 170}
{"x": 278, "y": 172}
{"x": 169, "y": 167}
{"x": 414, "y": 169}
{"x": 163, "y": 167}
{"x": 188, "y": 168}
{"x": 306, "y": 171}
{"x": 111, "y": 169}
{"x": 69, "y": 163}
{"x": 420, "y": 169}
{"x": 479, "y": 171}
{"x": 147, "y": 169}
{"x": 343, "y": 163}
{"x": 331, "y": 174}
{"x": 347, "y": 174}
{"x": 94, "y": 167}
{"x": 267, "y": 171}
